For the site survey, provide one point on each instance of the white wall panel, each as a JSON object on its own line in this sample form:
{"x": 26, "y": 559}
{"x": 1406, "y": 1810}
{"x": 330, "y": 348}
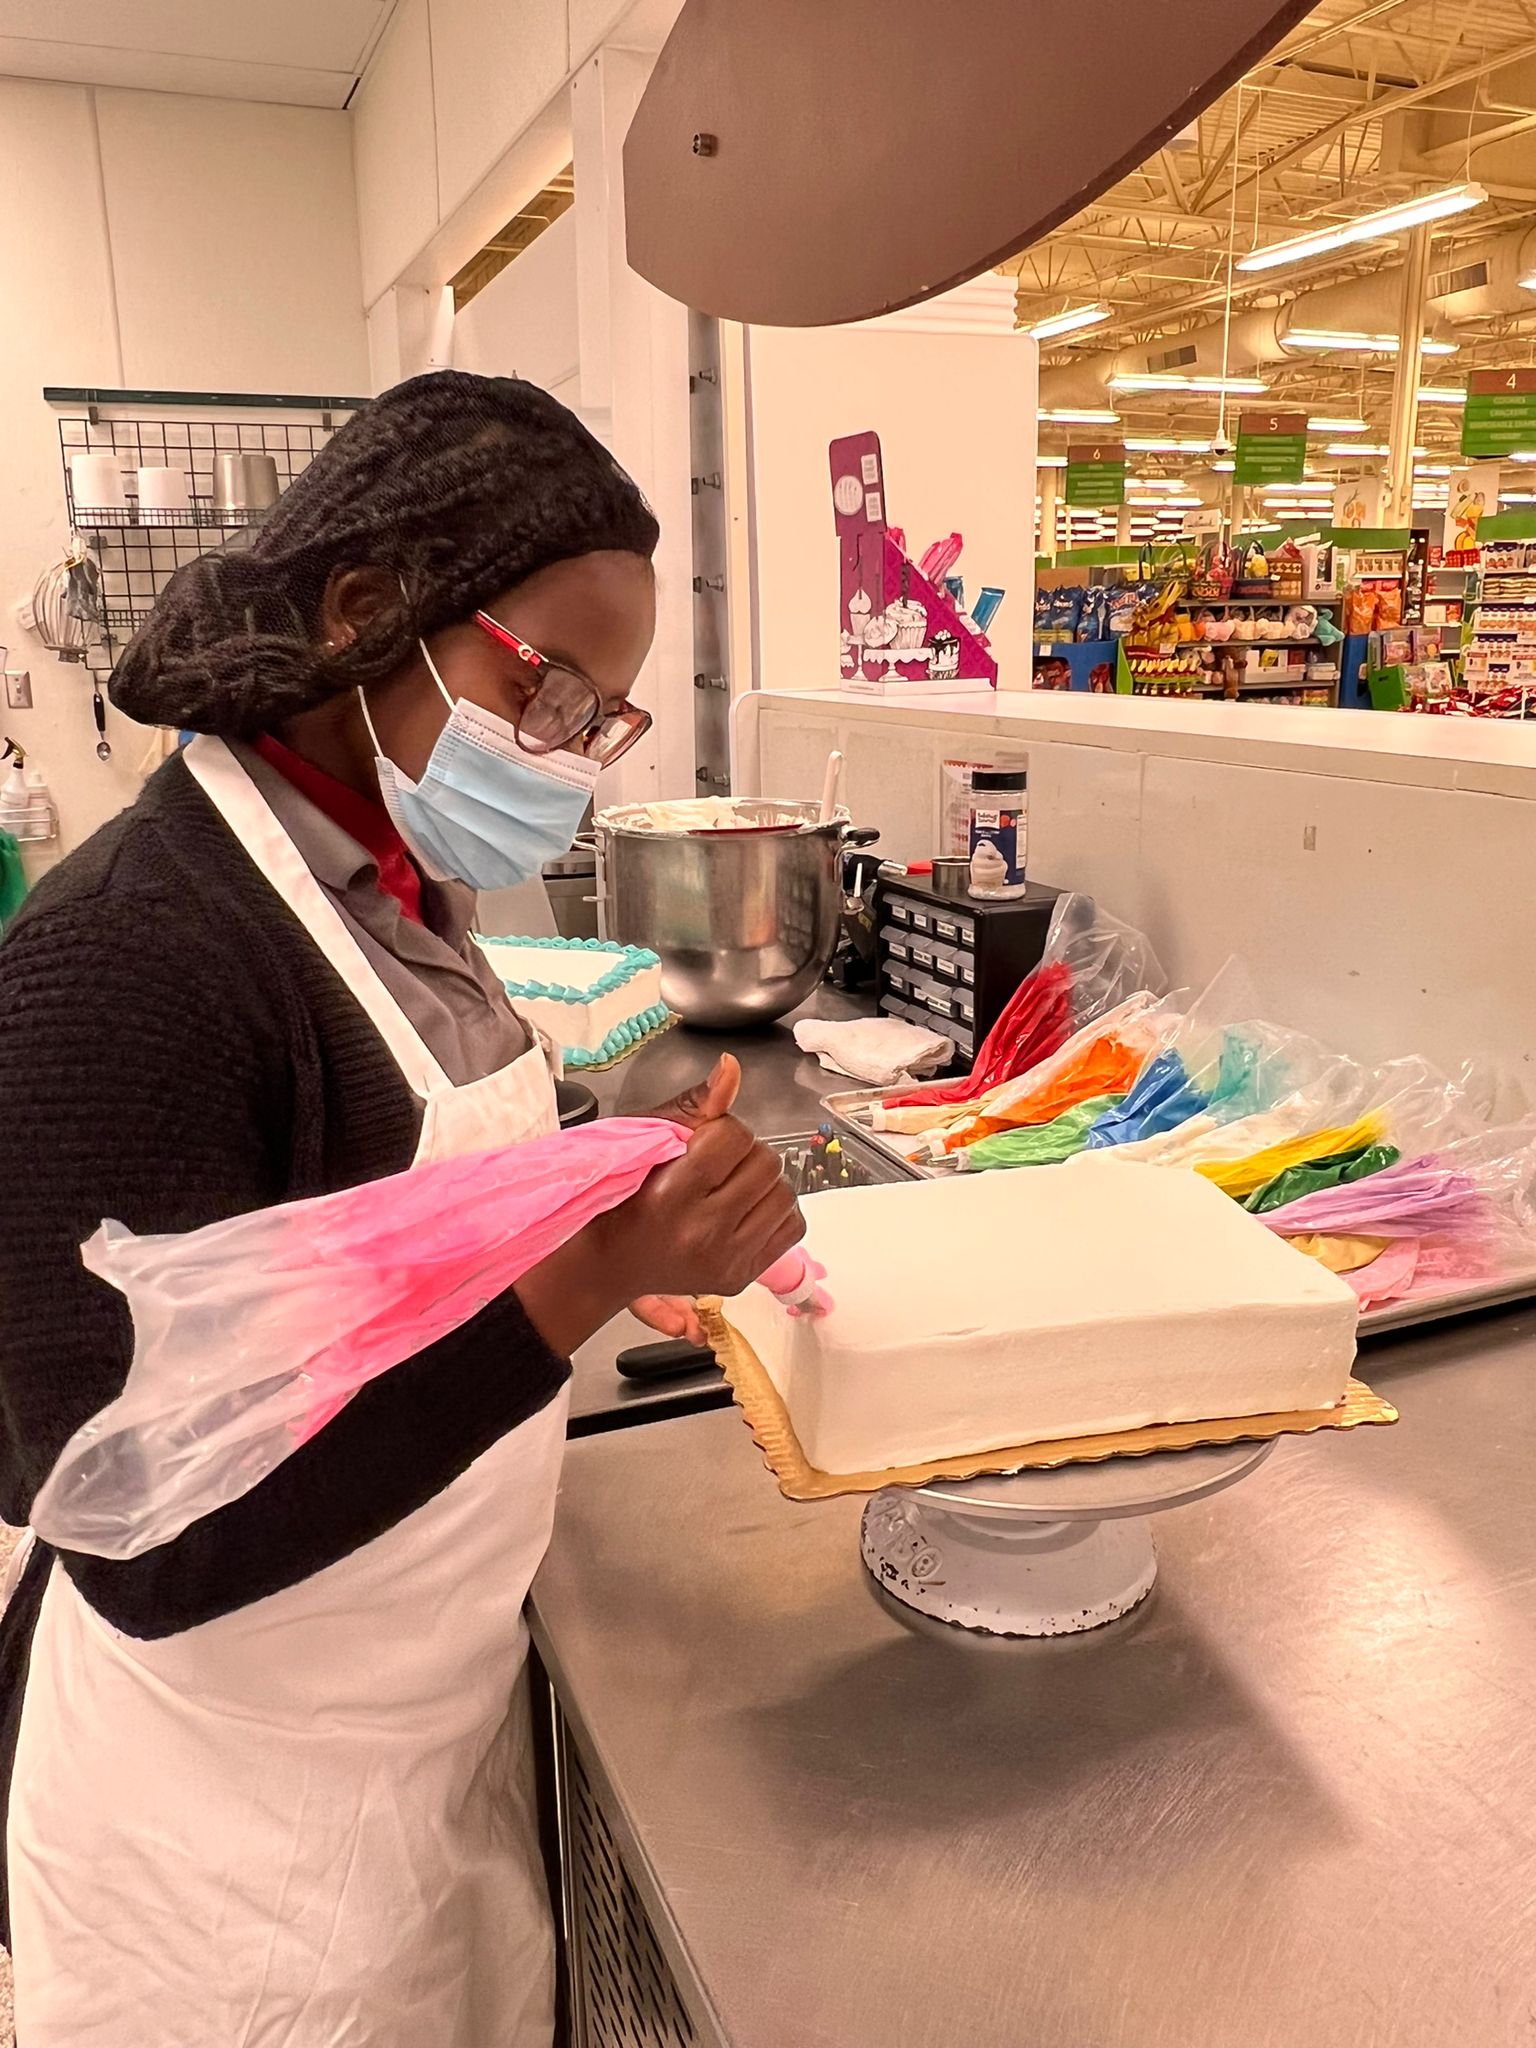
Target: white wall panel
{"x": 59, "y": 328}
{"x": 1384, "y": 916}
{"x": 234, "y": 244}
{"x": 493, "y": 69}
{"x": 218, "y": 237}
{"x": 394, "y": 126}
{"x": 524, "y": 322}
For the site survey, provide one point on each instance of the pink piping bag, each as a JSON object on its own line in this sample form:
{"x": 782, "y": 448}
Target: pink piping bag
{"x": 250, "y": 1334}
{"x": 795, "y": 1281}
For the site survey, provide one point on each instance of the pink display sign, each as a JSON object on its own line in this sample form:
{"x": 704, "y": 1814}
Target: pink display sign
{"x": 893, "y": 623}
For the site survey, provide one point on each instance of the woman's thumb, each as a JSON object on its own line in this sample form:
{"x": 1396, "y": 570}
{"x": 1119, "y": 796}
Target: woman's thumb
{"x": 708, "y": 1099}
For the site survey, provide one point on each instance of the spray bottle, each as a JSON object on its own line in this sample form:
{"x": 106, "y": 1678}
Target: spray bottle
{"x": 14, "y": 794}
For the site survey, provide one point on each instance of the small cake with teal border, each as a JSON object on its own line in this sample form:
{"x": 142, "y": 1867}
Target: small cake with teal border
{"x": 594, "y": 999}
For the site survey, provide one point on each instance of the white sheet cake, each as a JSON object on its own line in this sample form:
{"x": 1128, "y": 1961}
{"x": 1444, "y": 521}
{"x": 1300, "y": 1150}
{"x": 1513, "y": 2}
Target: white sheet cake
{"x": 1008, "y": 1308}
{"x": 592, "y": 998}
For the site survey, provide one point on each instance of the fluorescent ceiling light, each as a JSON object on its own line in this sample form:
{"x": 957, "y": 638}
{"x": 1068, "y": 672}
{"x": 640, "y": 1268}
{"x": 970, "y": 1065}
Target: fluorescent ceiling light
{"x": 1070, "y": 322}
{"x": 1364, "y": 448}
{"x": 1170, "y": 447}
{"x": 1242, "y": 386}
{"x": 1527, "y": 284}
{"x": 1433, "y": 469}
{"x": 1050, "y": 462}
{"x": 1336, "y": 339}
{"x": 1440, "y": 394}
{"x": 1522, "y": 455}
{"x": 1328, "y": 426}
{"x": 1227, "y": 464}
{"x": 1079, "y": 416}
{"x": 1389, "y": 220}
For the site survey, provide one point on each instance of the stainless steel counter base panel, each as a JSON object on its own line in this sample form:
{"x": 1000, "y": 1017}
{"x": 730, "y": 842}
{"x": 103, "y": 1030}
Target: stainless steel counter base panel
{"x": 1290, "y": 1803}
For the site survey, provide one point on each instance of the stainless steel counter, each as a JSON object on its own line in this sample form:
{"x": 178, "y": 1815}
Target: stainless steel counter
{"x": 1291, "y": 1803}
{"x": 781, "y": 1092}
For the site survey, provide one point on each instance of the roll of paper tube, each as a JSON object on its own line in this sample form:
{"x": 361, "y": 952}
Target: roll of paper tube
{"x": 97, "y": 482}
{"x": 163, "y": 489}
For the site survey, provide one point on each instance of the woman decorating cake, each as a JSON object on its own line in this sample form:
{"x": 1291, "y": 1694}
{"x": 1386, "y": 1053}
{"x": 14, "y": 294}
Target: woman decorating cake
{"x": 269, "y": 1778}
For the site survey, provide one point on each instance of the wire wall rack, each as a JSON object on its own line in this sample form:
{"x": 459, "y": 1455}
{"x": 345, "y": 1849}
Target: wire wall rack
{"x": 138, "y": 550}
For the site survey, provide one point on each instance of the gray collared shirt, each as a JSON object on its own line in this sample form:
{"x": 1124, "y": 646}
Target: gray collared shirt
{"x": 435, "y": 971}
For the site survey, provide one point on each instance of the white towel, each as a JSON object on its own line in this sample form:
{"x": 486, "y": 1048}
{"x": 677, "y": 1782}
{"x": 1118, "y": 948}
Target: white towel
{"x": 883, "y": 1051}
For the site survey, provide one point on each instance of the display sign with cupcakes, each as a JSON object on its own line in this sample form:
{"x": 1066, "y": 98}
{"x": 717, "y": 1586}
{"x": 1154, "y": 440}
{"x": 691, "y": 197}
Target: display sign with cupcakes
{"x": 902, "y": 624}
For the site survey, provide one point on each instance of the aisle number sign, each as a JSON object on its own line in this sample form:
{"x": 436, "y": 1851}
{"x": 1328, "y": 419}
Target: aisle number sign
{"x": 1096, "y": 473}
{"x": 1271, "y": 448}
{"x": 1500, "y": 413}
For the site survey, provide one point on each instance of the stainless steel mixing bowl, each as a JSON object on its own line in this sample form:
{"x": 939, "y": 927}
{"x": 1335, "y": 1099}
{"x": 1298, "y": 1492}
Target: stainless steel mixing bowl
{"x": 745, "y": 922}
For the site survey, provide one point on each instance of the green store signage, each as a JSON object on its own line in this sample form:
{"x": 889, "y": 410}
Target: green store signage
{"x": 1271, "y": 448}
{"x": 1500, "y": 414}
{"x": 1096, "y": 473}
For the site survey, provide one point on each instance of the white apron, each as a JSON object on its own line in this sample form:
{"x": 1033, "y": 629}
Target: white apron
{"x": 307, "y": 1824}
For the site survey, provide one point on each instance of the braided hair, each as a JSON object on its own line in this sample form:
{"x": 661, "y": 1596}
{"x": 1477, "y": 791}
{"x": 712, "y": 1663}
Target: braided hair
{"x": 461, "y": 485}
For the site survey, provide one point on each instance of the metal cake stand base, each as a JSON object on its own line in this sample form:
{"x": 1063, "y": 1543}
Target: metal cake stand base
{"x": 1039, "y": 1553}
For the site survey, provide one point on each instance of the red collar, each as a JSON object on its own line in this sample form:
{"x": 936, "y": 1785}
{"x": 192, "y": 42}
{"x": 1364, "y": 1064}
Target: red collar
{"x": 364, "y": 818}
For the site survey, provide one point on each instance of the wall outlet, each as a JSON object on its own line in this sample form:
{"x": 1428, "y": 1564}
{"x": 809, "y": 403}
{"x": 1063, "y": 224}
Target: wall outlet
{"x": 18, "y": 689}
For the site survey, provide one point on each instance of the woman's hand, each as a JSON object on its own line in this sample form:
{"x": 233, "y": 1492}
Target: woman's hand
{"x": 674, "y": 1315}
{"x": 708, "y": 1223}
{"x": 705, "y": 1100}
{"x": 670, "y": 1315}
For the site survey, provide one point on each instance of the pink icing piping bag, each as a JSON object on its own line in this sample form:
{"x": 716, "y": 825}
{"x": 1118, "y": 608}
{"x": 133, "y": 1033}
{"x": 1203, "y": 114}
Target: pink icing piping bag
{"x": 794, "y": 1281}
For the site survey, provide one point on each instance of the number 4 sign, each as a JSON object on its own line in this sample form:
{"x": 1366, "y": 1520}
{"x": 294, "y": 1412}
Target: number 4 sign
{"x": 1500, "y": 413}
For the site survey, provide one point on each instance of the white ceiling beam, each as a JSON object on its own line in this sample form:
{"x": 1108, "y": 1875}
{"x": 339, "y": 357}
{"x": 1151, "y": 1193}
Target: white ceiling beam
{"x": 1483, "y": 138}
{"x": 1389, "y": 103}
{"x": 1291, "y": 52}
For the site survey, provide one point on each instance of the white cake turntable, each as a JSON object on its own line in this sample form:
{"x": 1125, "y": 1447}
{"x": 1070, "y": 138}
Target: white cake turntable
{"x": 1039, "y": 1553}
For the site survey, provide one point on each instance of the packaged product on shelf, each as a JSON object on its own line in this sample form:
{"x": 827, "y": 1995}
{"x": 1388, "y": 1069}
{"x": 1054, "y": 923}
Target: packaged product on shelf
{"x": 1360, "y": 609}
{"x": 1123, "y": 600}
{"x": 1093, "y": 619}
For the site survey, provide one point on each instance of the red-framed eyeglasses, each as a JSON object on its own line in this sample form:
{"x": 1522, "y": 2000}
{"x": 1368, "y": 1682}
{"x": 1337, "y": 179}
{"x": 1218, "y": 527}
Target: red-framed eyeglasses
{"x": 565, "y": 708}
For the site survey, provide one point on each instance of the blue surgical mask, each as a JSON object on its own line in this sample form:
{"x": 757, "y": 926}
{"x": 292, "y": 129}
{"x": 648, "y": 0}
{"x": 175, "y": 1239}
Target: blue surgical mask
{"x": 485, "y": 811}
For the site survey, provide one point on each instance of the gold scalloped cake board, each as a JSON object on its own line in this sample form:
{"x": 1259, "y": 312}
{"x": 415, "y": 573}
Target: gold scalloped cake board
{"x": 774, "y": 1434}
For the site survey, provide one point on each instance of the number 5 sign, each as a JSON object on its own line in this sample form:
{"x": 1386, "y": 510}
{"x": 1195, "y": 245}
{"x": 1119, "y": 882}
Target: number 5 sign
{"x": 1271, "y": 448}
